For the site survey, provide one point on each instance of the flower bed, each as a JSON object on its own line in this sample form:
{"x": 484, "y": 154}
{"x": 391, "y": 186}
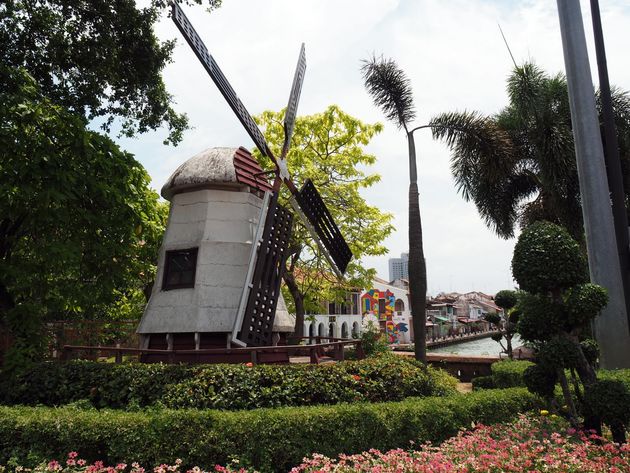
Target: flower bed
{"x": 229, "y": 387}
{"x": 527, "y": 445}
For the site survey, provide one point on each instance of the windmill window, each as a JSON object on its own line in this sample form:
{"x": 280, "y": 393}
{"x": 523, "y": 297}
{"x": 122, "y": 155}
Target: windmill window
{"x": 179, "y": 269}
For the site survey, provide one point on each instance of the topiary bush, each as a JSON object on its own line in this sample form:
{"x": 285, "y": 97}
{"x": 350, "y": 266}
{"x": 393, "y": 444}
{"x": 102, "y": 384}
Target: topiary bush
{"x": 556, "y": 312}
{"x": 546, "y": 258}
{"x": 231, "y": 387}
{"x": 267, "y": 439}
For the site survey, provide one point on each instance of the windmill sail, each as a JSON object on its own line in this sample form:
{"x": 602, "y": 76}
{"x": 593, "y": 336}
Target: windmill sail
{"x": 211, "y": 66}
{"x": 321, "y": 222}
{"x": 294, "y": 98}
{"x": 264, "y": 291}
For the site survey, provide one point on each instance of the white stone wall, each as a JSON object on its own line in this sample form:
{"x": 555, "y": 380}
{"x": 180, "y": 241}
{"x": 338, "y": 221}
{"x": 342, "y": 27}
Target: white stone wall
{"x": 319, "y": 325}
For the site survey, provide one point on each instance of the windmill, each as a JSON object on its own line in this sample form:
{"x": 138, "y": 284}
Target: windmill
{"x": 254, "y": 320}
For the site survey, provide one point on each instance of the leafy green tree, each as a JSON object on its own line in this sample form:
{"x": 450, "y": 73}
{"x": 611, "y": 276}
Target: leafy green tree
{"x": 328, "y": 148}
{"x": 391, "y": 91}
{"x": 506, "y": 328}
{"x": 79, "y": 225}
{"x": 557, "y": 308}
{"x": 518, "y": 166}
{"x": 98, "y": 59}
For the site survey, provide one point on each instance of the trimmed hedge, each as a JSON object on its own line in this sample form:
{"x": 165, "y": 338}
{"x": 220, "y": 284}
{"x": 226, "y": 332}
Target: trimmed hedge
{"x": 483, "y": 382}
{"x": 230, "y": 387}
{"x": 268, "y": 439}
{"x": 509, "y": 373}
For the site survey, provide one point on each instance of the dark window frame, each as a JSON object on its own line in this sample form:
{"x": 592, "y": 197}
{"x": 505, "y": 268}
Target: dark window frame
{"x": 167, "y": 268}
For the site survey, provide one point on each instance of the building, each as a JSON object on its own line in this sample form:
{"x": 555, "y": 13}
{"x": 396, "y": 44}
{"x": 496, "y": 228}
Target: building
{"x": 456, "y": 313}
{"x": 399, "y": 267}
{"x": 385, "y": 305}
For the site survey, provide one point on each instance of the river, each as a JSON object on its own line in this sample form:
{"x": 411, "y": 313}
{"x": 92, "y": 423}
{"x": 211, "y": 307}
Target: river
{"x": 483, "y": 346}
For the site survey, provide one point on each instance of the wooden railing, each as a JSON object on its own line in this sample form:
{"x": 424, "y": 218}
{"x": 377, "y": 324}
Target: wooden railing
{"x": 335, "y": 349}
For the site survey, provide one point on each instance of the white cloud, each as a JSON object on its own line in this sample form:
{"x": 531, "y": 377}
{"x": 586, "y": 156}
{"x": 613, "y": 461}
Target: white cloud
{"x": 451, "y": 50}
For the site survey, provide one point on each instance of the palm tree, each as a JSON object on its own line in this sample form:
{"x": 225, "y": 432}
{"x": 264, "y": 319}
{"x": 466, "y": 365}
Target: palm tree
{"x": 391, "y": 91}
{"x": 526, "y": 170}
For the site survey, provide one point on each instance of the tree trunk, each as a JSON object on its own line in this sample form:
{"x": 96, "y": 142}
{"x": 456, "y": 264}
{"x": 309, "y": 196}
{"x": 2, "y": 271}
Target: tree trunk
{"x": 298, "y": 299}
{"x": 417, "y": 265}
{"x": 508, "y": 339}
{"x": 567, "y": 396}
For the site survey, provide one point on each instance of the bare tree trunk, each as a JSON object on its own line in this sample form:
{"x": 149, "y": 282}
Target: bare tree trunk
{"x": 508, "y": 339}
{"x": 298, "y": 299}
{"x": 417, "y": 265}
{"x": 567, "y": 396}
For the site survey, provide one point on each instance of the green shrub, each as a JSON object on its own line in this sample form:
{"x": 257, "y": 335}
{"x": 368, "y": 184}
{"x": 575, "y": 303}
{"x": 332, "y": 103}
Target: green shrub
{"x": 617, "y": 375}
{"x": 268, "y": 439}
{"x": 482, "y": 382}
{"x": 609, "y": 400}
{"x": 508, "y": 373}
{"x": 231, "y": 387}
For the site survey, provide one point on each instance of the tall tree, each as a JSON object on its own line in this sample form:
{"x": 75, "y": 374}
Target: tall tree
{"x": 97, "y": 58}
{"x": 518, "y": 166}
{"x": 79, "y": 225}
{"x": 391, "y": 91}
{"x": 328, "y": 148}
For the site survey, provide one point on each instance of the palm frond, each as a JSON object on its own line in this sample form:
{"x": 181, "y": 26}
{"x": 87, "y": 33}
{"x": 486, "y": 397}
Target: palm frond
{"x": 526, "y": 88}
{"x": 480, "y": 149}
{"x": 390, "y": 89}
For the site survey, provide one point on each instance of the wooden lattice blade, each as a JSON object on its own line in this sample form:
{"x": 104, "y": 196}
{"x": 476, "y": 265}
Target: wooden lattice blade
{"x": 294, "y": 99}
{"x": 260, "y": 311}
{"x": 320, "y": 221}
{"x": 211, "y": 66}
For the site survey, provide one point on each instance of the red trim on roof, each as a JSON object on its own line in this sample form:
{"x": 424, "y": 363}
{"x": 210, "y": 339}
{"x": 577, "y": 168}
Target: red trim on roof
{"x": 248, "y": 171}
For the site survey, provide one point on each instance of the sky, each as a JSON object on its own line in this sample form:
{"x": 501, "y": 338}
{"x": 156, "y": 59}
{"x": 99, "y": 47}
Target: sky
{"x": 455, "y": 58}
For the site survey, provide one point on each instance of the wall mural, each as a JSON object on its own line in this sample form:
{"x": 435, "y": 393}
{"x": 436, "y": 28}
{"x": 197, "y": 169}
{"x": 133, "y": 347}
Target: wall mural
{"x": 370, "y": 306}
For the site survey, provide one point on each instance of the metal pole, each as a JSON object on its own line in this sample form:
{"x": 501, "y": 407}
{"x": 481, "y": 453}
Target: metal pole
{"x": 611, "y": 326}
{"x": 611, "y": 155}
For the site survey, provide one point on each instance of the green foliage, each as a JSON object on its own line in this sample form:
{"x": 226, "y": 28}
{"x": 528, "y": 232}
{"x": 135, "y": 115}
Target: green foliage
{"x": 617, "y": 375}
{"x": 373, "y": 341}
{"x": 546, "y": 258}
{"x": 540, "y": 379}
{"x": 506, "y": 299}
{"x": 385, "y": 378}
{"x": 267, "y": 439}
{"x": 609, "y": 400}
{"x": 329, "y": 149}
{"x": 540, "y": 318}
{"x": 509, "y": 373}
{"x": 483, "y": 382}
{"x": 390, "y": 89}
{"x": 518, "y": 165}
{"x": 494, "y": 319}
{"x": 97, "y": 59}
{"x": 590, "y": 348}
{"x": 559, "y": 352}
{"x": 79, "y": 225}
{"x": 585, "y": 301}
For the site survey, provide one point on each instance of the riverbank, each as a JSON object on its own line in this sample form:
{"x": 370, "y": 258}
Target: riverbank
{"x": 447, "y": 341}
